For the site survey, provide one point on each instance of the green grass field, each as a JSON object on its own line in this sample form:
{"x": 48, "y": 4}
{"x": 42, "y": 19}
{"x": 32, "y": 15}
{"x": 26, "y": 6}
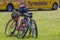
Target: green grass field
{"x": 48, "y": 23}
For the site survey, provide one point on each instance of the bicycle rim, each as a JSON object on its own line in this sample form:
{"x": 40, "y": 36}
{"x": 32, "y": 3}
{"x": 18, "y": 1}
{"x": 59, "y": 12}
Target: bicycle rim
{"x": 34, "y": 29}
{"x": 9, "y": 27}
{"x": 23, "y": 32}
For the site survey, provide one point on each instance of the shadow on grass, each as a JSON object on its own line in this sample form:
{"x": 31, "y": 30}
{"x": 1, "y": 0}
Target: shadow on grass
{"x": 12, "y": 36}
{"x": 27, "y": 36}
{"x": 4, "y": 11}
{"x": 42, "y": 10}
{"x": 30, "y": 10}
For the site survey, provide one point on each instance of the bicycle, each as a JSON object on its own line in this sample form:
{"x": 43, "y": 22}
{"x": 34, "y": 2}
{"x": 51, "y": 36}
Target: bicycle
{"x": 22, "y": 33}
{"x": 12, "y": 25}
{"x": 31, "y": 26}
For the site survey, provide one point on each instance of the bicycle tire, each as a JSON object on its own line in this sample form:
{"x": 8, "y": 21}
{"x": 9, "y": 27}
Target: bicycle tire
{"x": 24, "y": 32}
{"x": 7, "y": 25}
{"x": 36, "y": 34}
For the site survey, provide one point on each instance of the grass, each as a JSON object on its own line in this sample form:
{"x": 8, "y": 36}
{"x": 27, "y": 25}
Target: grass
{"x": 48, "y": 23}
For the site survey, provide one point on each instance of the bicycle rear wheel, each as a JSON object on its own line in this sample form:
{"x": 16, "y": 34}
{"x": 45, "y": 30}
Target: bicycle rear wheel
{"x": 34, "y": 29}
{"x": 10, "y": 26}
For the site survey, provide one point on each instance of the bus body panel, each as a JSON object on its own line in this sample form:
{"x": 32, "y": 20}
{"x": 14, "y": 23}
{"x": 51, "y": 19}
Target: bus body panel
{"x": 33, "y": 4}
{"x": 41, "y": 4}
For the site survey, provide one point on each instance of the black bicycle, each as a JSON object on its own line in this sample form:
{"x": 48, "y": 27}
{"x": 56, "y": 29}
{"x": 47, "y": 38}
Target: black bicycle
{"x": 30, "y": 24}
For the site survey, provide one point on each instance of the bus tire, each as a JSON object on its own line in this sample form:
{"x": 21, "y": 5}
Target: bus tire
{"x": 9, "y": 7}
{"x": 55, "y": 6}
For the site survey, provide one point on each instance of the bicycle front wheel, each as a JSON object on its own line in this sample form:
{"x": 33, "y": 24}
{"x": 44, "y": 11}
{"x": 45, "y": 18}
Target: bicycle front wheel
{"x": 10, "y": 26}
{"x": 34, "y": 29}
{"x": 23, "y": 30}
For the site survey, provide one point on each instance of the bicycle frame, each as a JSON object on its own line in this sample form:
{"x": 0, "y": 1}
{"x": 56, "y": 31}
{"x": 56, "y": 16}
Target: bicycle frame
{"x": 22, "y": 21}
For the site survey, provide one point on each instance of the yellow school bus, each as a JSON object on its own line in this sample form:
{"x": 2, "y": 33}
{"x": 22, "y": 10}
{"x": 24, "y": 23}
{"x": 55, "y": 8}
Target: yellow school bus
{"x": 9, "y": 5}
{"x": 33, "y": 4}
{"x": 43, "y": 4}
